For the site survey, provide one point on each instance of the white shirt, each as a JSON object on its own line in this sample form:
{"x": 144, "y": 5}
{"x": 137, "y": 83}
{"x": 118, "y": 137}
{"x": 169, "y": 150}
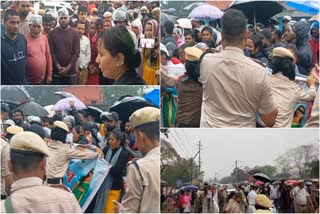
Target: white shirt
{"x": 300, "y": 195}
{"x": 209, "y": 194}
{"x": 85, "y": 53}
{"x": 252, "y": 197}
{"x": 273, "y": 192}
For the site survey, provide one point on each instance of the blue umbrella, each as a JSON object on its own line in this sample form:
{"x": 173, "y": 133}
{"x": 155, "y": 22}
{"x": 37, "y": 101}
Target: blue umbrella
{"x": 206, "y": 11}
{"x": 154, "y": 97}
{"x": 311, "y": 7}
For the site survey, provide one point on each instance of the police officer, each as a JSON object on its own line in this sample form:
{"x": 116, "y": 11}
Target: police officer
{"x": 143, "y": 181}
{"x": 28, "y": 194}
{"x": 61, "y": 154}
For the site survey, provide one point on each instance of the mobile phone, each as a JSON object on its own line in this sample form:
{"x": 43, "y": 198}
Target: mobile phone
{"x": 146, "y": 43}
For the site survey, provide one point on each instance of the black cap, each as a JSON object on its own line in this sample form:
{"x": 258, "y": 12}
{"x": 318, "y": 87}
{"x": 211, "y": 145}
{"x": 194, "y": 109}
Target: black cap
{"x": 113, "y": 116}
{"x": 265, "y": 33}
{"x": 4, "y": 107}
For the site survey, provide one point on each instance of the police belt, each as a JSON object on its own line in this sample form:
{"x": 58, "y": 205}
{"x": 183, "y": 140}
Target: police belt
{"x": 55, "y": 180}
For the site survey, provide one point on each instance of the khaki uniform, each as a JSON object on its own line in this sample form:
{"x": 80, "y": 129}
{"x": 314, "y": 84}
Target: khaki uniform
{"x": 5, "y": 157}
{"x": 29, "y": 195}
{"x": 59, "y": 158}
{"x": 300, "y": 197}
{"x": 148, "y": 201}
{"x": 286, "y": 94}
{"x": 234, "y": 89}
{"x": 313, "y": 121}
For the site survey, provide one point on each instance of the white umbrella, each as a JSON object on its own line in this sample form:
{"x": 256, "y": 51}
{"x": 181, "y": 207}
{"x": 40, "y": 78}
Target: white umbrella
{"x": 185, "y": 23}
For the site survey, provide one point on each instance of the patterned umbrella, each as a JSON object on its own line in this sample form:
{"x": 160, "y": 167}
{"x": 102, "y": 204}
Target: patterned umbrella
{"x": 206, "y": 11}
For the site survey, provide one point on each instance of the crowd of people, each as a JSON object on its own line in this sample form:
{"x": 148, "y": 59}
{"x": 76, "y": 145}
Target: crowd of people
{"x": 36, "y": 152}
{"x": 91, "y": 43}
{"x": 278, "y": 197}
{"x": 229, "y": 73}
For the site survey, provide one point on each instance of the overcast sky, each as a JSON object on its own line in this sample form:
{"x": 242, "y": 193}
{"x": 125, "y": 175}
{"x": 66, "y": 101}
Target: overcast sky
{"x": 251, "y": 147}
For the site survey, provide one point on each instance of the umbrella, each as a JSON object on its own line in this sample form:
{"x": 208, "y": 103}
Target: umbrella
{"x": 311, "y": 7}
{"x": 50, "y": 110}
{"x": 206, "y": 11}
{"x": 259, "y": 183}
{"x": 261, "y": 177}
{"x": 257, "y": 10}
{"x": 185, "y": 23}
{"x": 32, "y": 108}
{"x": 166, "y": 17}
{"x": 153, "y": 97}
{"x": 189, "y": 187}
{"x": 64, "y": 104}
{"x": 193, "y": 5}
{"x": 291, "y": 182}
{"x": 128, "y": 105}
{"x": 62, "y": 94}
{"x": 15, "y": 94}
{"x": 95, "y": 112}
{"x": 163, "y": 183}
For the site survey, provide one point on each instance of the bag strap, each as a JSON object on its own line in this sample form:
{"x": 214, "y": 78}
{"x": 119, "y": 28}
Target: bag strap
{"x": 8, "y": 205}
{"x": 142, "y": 179}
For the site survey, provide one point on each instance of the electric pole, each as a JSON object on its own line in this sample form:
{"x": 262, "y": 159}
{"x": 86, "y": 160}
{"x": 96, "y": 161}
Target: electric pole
{"x": 199, "y": 149}
{"x": 236, "y": 171}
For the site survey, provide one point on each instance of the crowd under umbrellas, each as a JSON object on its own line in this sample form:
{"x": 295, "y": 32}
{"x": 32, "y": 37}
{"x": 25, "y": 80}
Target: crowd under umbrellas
{"x": 88, "y": 132}
{"x": 60, "y": 43}
{"x": 263, "y": 195}
{"x": 194, "y": 43}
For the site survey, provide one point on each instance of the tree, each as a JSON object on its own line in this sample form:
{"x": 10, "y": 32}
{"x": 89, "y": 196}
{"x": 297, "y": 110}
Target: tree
{"x": 168, "y": 155}
{"x": 238, "y": 175}
{"x": 226, "y": 180}
{"x": 300, "y": 160}
{"x": 44, "y": 95}
{"x": 184, "y": 169}
{"x": 267, "y": 169}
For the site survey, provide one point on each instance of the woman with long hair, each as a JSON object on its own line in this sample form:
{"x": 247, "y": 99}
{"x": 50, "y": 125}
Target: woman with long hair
{"x": 110, "y": 190}
{"x": 118, "y": 57}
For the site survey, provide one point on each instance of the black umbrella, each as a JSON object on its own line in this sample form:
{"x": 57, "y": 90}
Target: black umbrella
{"x": 32, "y": 108}
{"x": 95, "y": 112}
{"x": 257, "y": 11}
{"x": 166, "y": 17}
{"x": 15, "y": 94}
{"x": 62, "y": 94}
{"x": 262, "y": 177}
{"x": 128, "y": 105}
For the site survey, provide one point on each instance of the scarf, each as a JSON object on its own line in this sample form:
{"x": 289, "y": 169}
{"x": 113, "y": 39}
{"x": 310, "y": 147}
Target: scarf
{"x": 103, "y": 192}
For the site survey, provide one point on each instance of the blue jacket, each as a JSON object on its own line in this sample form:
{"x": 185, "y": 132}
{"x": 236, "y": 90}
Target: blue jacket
{"x": 13, "y": 60}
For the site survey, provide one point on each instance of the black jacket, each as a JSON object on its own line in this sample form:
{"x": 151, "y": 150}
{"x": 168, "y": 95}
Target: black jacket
{"x": 118, "y": 171}
{"x": 305, "y": 57}
{"x": 130, "y": 77}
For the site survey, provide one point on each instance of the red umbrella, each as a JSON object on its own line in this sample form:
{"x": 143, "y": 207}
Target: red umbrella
{"x": 291, "y": 182}
{"x": 259, "y": 183}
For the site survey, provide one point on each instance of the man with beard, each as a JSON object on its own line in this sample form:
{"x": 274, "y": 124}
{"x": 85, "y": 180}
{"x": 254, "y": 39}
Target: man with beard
{"x": 13, "y": 51}
{"x": 111, "y": 122}
{"x": 65, "y": 50}
{"x": 18, "y": 118}
{"x": 27, "y": 163}
{"x": 24, "y": 12}
{"x": 39, "y": 62}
